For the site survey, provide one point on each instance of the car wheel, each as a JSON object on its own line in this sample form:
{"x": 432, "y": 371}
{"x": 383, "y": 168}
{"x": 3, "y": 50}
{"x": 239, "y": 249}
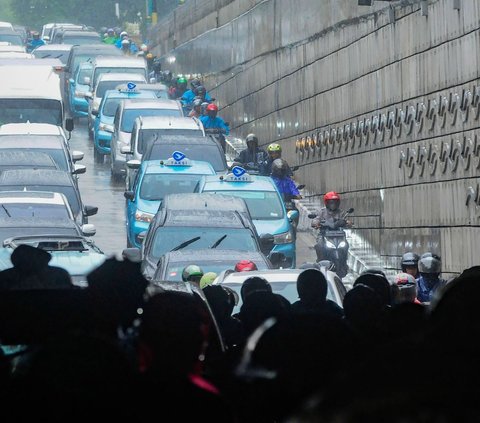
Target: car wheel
{"x": 97, "y": 156}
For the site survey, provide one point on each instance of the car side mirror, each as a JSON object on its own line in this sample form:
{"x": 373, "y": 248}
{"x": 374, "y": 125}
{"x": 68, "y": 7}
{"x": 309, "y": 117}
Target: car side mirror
{"x": 132, "y": 254}
{"x": 71, "y": 81}
{"x": 95, "y": 112}
{"x": 125, "y": 150}
{"x": 266, "y": 239}
{"x": 293, "y": 215}
{"x": 152, "y": 80}
{"x": 77, "y": 155}
{"x": 133, "y": 164}
{"x": 90, "y": 210}
{"x": 88, "y": 229}
{"x": 79, "y": 169}
{"x": 129, "y": 195}
{"x": 69, "y": 124}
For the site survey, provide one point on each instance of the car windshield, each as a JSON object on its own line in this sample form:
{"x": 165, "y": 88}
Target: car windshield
{"x": 167, "y": 237}
{"x": 263, "y": 205}
{"x": 34, "y": 110}
{"x": 103, "y": 86}
{"x": 287, "y": 289}
{"x": 51, "y": 54}
{"x": 155, "y": 186}
{"x": 116, "y": 69}
{"x": 207, "y": 153}
{"x": 68, "y": 191}
{"x": 85, "y": 57}
{"x": 23, "y": 210}
{"x": 174, "y": 270}
{"x": 110, "y": 106}
{"x": 129, "y": 116}
{"x": 57, "y": 155}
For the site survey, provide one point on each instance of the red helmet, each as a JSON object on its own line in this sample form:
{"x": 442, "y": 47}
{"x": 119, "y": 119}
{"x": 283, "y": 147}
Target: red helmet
{"x": 212, "y": 107}
{"x": 245, "y": 266}
{"x": 332, "y": 195}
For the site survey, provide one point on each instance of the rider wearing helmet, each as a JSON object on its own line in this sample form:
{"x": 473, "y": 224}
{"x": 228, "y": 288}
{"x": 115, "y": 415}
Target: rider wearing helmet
{"x": 192, "y": 273}
{"x": 274, "y": 151}
{"x": 35, "y": 42}
{"x": 331, "y": 211}
{"x": 429, "y": 283}
{"x": 196, "y": 108}
{"x": 253, "y": 156}
{"x": 189, "y": 95}
{"x": 179, "y": 88}
{"x": 409, "y": 264}
{"x": 245, "y": 266}
{"x": 284, "y": 183}
{"x": 110, "y": 38}
{"x": 405, "y": 289}
{"x": 212, "y": 121}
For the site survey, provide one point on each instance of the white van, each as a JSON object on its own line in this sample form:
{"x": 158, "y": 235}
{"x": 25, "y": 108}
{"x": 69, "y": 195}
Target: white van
{"x": 31, "y": 92}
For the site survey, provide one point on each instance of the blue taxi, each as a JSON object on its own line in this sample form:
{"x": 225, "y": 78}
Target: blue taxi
{"x": 264, "y": 202}
{"x": 105, "y": 116}
{"x": 78, "y": 87}
{"x": 155, "y": 179}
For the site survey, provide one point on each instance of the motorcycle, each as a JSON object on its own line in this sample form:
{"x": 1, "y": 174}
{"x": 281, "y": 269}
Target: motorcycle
{"x": 333, "y": 242}
{"x": 292, "y": 211}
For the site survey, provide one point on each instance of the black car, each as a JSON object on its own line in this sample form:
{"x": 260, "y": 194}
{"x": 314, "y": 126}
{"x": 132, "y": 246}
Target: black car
{"x": 171, "y": 264}
{"x": 48, "y": 180}
{"x": 198, "y": 221}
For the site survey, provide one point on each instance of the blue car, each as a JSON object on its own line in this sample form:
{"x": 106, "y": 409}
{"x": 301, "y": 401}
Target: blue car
{"x": 154, "y": 180}
{"x": 78, "y": 86}
{"x": 103, "y": 125}
{"x": 265, "y": 203}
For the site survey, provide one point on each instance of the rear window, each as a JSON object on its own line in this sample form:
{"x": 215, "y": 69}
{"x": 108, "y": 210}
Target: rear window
{"x": 148, "y": 136}
{"x": 130, "y": 115}
{"x": 52, "y": 54}
{"x": 117, "y": 69}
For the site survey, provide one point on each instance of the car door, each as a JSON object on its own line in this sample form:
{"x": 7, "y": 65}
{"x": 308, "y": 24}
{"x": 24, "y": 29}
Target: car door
{"x": 132, "y": 205}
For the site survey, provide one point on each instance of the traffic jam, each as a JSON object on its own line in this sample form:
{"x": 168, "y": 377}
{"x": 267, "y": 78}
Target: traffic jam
{"x": 132, "y": 215}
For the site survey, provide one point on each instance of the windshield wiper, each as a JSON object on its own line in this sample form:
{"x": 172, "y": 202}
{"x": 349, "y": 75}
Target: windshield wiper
{"x": 184, "y": 244}
{"x": 6, "y": 211}
{"x": 218, "y": 241}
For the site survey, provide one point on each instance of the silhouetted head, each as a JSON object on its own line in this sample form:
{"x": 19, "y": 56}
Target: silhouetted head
{"x": 379, "y": 284}
{"x": 28, "y": 259}
{"x": 312, "y": 286}
{"x": 253, "y": 284}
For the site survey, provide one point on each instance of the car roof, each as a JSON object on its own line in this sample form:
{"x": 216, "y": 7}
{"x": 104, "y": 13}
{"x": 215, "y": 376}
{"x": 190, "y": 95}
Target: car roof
{"x": 197, "y": 167}
{"x": 30, "y": 158}
{"x": 177, "y": 122}
{"x": 118, "y": 76}
{"x": 82, "y": 48}
{"x": 204, "y": 201}
{"x": 35, "y": 177}
{"x": 156, "y": 87}
{"x": 184, "y": 139}
{"x": 126, "y": 94}
{"x": 48, "y": 47}
{"x": 30, "y": 128}
{"x": 258, "y": 183}
{"x": 21, "y": 81}
{"x": 32, "y": 141}
{"x": 160, "y": 103}
{"x": 39, "y": 197}
{"x": 123, "y": 61}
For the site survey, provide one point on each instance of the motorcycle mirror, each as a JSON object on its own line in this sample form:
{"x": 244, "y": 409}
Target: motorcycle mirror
{"x": 294, "y": 168}
{"x": 301, "y": 186}
{"x": 312, "y": 215}
{"x": 351, "y": 210}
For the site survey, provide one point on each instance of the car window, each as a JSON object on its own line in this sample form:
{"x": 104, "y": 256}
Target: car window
{"x": 263, "y": 205}
{"x": 168, "y": 237}
{"x": 110, "y": 106}
{"x": 208, "y": 153}
{"x": 24, "y": 210}
{"x": 156, "y": 186}
{"x": 35, "y": 110}
{"x": 129, "y": 116}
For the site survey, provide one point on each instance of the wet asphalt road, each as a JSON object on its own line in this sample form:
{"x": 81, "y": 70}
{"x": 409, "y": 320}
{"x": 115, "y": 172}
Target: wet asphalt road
{"x": 98, "y": 189}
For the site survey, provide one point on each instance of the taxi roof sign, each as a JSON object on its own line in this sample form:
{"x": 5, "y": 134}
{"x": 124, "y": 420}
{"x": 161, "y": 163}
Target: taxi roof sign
{"x": 129, "y": 87}
{"x": 178, "y": 159}
{"x": 238, "y": 174}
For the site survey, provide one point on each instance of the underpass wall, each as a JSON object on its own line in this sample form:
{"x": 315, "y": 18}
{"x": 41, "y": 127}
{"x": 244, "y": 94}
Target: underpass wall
{"x": 379, "y": 103}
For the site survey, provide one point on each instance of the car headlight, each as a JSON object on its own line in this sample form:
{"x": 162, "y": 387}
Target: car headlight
{"x": 342, "y": 244}
{"x": 143, "y": 216}
{"x": 283, "y": 238}
{"x": 105, "y": 127}
{"x": 329, "y": 244}
{"x": 79, "y": 94}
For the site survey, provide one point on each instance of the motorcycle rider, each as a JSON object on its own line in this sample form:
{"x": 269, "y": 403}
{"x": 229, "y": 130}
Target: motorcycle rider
{"x": 196, "y": 109}
{"x": 192, "y": 273}
{"x": 253, "y": 156}
{"x": 197, "y": 90}
{"x": 284, "y": 183}
{"x": 179, "y": 88}
{"x": 409, "y": 264}
{"x": 274, "y": 151}
{"x": 429, "y": 282}
{"x": 330, "y": 212}
{"x": 212, "y": 121}
{"x": 35, "y": 42}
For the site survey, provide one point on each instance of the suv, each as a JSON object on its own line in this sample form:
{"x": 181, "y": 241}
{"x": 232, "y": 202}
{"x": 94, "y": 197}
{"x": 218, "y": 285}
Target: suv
{"x": 195, "y": 221}
{"x": 200, "y": 148}
{"x": 127, "y": 112}
{"x": 107, "y": 81}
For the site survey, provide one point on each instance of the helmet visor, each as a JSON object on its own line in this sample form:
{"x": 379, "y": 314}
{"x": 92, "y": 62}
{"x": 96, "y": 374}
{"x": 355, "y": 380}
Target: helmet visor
{"x": 332, "y": 204}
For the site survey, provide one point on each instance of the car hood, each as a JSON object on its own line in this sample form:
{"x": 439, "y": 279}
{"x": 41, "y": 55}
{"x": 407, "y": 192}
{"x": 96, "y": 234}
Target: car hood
{"x": 273, "y": 227}
{"x": 148, "y": 206}
{"x": 74, "y": 262}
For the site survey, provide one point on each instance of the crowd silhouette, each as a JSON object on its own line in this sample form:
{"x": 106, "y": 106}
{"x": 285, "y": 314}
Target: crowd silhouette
{"x": 123, "y": 348}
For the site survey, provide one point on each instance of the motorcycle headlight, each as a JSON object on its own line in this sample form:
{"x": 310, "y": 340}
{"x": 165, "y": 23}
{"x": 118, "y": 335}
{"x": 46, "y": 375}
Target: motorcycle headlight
{"x": 283, "y": 238}
{"x": 105, "y": 127}
{"x": 329, "y": 244}
{"x": 143, "y": 216}
{"x": 342, "y": 244}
